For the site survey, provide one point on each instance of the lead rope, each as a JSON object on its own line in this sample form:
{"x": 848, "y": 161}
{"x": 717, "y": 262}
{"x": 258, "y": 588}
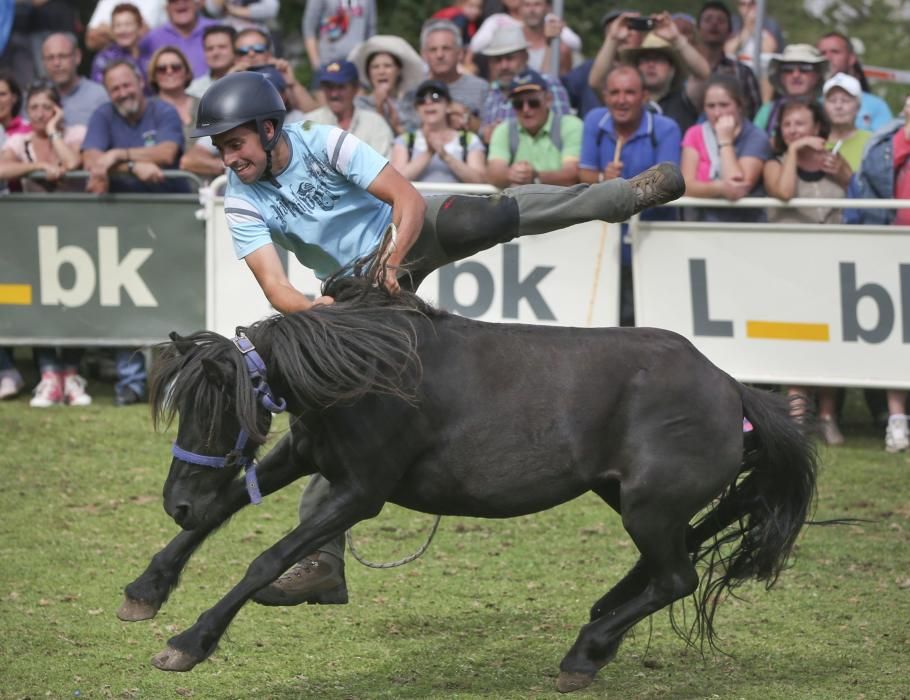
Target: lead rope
{"x": 392, "y": 564}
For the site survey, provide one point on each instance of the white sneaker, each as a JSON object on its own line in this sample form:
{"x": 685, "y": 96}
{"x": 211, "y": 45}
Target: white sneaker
{"x": 49, "y": 391}
{"x": 11, "y": 383}
{"x": 897, "y": 434}
{"x": 74, "y": 390}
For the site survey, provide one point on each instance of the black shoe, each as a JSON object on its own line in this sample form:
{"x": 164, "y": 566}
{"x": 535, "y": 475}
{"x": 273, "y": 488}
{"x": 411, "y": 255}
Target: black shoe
{"x": 126, "y": 397}
{"x": 318, "y": 579}
{"x": 659, "y": 184}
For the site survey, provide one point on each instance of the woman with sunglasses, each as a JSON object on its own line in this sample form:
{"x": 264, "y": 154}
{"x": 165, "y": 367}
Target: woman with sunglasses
{"x": 47, "y": 148}
{"x": 126, "y": 28}
{"x": 436, "y": 152}
{"x": 169, "y": 76}
{"x": 799, "y": 72}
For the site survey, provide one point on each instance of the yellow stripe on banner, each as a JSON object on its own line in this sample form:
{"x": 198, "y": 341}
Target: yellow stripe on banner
{"x": 780, "y": 330}
{"x": 20, "y": 294}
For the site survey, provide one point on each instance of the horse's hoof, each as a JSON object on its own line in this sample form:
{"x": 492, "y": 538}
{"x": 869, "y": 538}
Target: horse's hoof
{"x": 136, "y": 610}
{"x": 569, "y": 682}
{"x": 174, "y": 660}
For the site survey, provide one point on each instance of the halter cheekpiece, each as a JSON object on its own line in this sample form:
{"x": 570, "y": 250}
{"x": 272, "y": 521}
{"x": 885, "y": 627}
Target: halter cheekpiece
{"x": 255, "y": 367}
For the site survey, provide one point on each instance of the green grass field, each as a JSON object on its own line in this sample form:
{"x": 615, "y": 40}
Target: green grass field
{"x": 488, "y": 612}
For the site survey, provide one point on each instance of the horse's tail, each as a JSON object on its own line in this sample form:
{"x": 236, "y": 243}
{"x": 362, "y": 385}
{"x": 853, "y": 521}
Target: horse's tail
{"x": 752, "y": 528}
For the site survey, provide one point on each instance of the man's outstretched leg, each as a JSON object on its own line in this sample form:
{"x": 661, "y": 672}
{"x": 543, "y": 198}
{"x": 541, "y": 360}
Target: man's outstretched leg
{"x": 459, "y": 226}
{"x": 316, "y": 579}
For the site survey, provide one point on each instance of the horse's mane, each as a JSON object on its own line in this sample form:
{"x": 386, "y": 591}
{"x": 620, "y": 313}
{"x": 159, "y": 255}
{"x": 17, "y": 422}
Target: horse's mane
{"x": 182, "y": 376}
{"x": 366, "y": 342}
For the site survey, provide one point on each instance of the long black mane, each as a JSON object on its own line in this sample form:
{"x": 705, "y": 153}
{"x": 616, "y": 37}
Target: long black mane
{"x": 366, "y": 342}
{"x": 180, "y": 378}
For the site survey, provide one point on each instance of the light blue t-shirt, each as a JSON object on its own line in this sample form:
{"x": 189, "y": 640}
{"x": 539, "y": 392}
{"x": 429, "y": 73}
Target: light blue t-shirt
{"x": 322, "y": 212}
{"x": 873, "y": 114}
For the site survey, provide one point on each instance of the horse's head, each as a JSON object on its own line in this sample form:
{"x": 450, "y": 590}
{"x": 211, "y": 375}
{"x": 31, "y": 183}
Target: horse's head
{"x": 223, "y": 421}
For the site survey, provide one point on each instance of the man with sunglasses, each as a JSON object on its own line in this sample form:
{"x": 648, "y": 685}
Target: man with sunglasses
{"x": 253, "y": 48}
{"x": 536, "y": 146}
{"x": 184, "y": 30}
{"x": 798, "y": 72}
{"x": 330, "y": 199}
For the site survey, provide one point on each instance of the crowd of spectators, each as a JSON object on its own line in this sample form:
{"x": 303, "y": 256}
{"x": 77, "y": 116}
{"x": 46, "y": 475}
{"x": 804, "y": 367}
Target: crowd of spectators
{"x": 481, "y": 98}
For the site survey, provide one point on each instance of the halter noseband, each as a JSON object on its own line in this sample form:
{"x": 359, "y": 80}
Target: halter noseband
{"x": 256, "y": 369}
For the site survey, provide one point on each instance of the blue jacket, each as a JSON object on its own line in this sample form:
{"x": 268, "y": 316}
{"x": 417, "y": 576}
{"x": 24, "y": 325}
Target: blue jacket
{"x": 875, "y": 178}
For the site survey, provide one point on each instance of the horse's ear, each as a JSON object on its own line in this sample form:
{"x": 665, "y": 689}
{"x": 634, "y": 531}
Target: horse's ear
{"x": 216, "y": 373}
{"x": 181, "y": 345}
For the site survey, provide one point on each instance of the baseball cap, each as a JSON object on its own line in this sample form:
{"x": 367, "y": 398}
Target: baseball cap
{"x": 272, "y": 74}
{"x": 527, "y": 81}
{"x": 432, "y": 86}
{"x": 845, "y": 82}
{"x": 338, "y": 73}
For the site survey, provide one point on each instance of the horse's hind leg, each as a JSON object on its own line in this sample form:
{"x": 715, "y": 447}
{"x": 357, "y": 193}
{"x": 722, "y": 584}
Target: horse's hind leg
{"x": 145, "y": 596}
{"x": 667, "y": 574}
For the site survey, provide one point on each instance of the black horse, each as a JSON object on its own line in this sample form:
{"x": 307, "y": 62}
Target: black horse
{"x": 395, "y": 401}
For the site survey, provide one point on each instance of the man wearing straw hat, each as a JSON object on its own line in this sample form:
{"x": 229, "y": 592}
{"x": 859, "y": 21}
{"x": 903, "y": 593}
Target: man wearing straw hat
{"x": 664, "y": 73}
{"x": 798, "y": 72}
{"x": 507, "y": 55}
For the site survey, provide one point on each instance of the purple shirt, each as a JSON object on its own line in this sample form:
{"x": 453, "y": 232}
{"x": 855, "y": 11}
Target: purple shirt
{"x": 167, "y": 35}
{"x": 107, "y": 56}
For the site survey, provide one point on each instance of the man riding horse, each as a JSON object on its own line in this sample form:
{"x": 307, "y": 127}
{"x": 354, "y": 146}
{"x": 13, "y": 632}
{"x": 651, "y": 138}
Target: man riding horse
{"x": 330, "y": 199}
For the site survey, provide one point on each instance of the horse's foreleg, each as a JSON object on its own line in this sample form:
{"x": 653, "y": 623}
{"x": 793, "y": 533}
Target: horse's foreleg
{"x": 666, "y": 574}
{"x": 337, "y": 511}
{"x": 145, "y": 596}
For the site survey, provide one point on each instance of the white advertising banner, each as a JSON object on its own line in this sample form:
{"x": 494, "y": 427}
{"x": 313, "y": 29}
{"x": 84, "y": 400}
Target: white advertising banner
{"x": 568, "y": 277}
{"x": 782, "y": 304}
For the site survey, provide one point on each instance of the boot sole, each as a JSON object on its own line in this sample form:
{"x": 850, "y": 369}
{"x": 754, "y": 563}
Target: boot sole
{"x": 276, "y": 597}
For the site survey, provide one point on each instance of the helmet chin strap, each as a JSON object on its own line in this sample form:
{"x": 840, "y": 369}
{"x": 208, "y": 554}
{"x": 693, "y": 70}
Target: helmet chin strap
{"x": 267, "y": 173}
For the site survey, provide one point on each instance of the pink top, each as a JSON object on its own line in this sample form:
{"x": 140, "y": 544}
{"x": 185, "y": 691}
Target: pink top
{"x": 20, "y": 145}
{"x": 902, "y": 175}
{"x": 17, "y": 125}
{"x": 695, "y": 138}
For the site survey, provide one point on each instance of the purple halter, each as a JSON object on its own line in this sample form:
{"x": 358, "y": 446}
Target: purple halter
{"x": 256, "y": 369}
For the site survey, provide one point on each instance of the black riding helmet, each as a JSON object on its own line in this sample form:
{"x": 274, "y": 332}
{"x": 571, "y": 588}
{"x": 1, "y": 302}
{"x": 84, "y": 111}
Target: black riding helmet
{"x": 239, "y": 98}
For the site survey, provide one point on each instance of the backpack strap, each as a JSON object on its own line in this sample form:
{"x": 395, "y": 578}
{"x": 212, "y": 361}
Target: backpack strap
{"x": 463, "y": 140}
{"x": 556, "y": 131}
{"x": 555, "y": 135}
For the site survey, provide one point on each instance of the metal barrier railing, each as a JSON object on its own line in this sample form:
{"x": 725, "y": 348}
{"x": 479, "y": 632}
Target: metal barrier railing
{"x": 197, "y": 182}
{"x": 216, "y": 188}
